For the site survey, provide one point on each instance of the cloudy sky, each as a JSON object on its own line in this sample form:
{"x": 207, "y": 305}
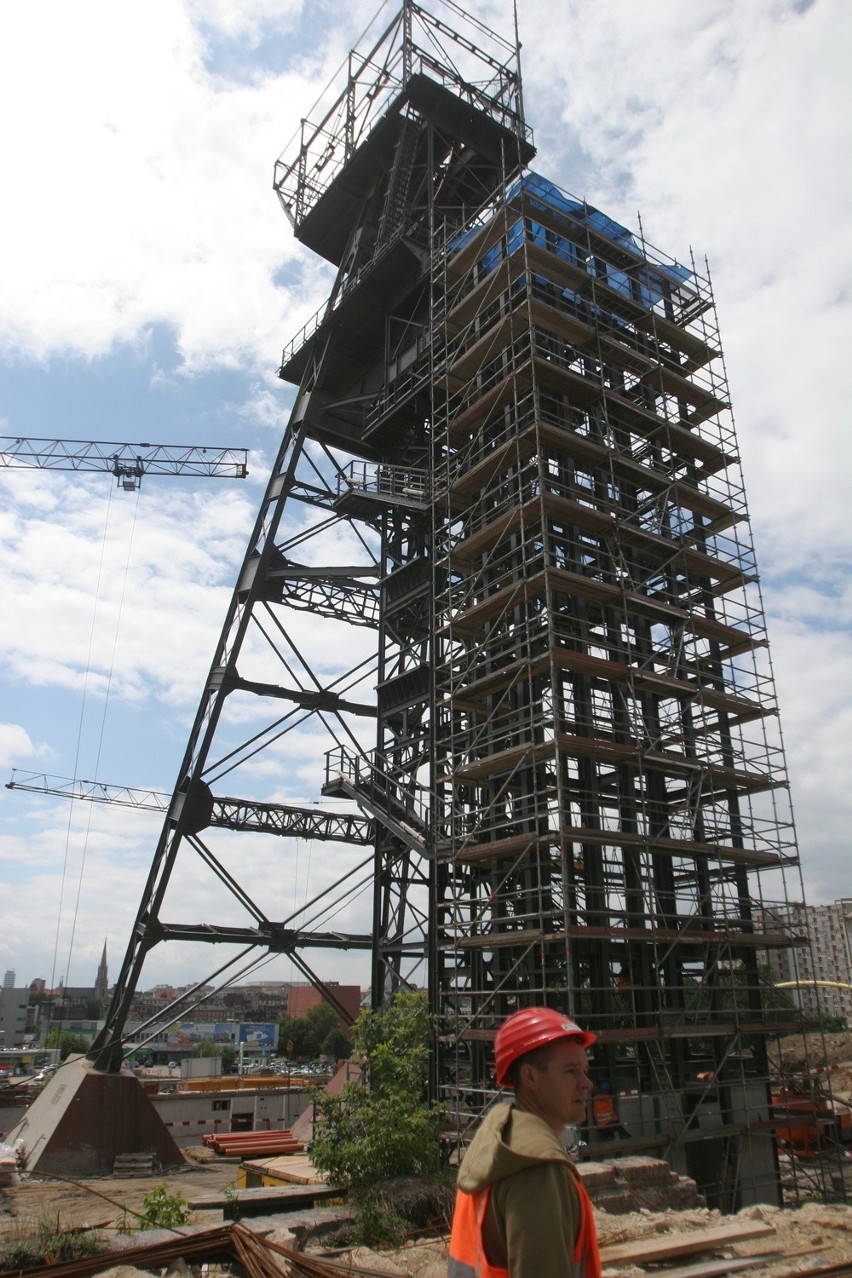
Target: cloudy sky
{"x": 150, "y": 280}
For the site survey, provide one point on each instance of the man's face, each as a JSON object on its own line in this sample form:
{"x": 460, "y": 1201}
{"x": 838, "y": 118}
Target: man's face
{"x": 559, "y": 1090}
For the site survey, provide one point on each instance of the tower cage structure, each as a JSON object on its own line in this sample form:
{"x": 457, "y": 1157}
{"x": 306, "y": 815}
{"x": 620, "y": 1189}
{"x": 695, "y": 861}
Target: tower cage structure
{"x": 500, "y": 606}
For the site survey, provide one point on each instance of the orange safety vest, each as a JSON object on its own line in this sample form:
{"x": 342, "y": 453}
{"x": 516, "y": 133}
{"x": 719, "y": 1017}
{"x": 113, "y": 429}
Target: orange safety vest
{"x": 603, "y": 1110}
{"x": 467, "y": 1257}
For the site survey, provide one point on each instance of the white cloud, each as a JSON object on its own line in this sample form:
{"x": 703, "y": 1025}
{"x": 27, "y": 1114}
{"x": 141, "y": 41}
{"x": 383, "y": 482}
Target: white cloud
{"x": 815, "y": 686}
{"x": 725, "y": 125}
{"x": 15, "y": 744}
{"x": 141, "y": 165}
{"x": 119, "y": 593}
{"x": 243, "y": 19}
{"x": 143, "y": 188}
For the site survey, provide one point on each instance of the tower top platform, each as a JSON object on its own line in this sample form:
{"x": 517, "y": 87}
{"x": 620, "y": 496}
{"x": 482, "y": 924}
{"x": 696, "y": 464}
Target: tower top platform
{"x": 470, "y": 91}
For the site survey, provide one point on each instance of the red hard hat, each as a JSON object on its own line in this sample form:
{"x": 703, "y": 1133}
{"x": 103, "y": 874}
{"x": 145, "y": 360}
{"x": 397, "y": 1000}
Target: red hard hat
{"x": 530, "y": 1028}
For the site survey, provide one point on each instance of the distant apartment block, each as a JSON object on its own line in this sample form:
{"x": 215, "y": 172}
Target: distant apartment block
{"x": 13, "y": 1016}
{"x": 823, "y": 970}
{"x": 304, "y": 997}
{"x": 260, "y": 1001}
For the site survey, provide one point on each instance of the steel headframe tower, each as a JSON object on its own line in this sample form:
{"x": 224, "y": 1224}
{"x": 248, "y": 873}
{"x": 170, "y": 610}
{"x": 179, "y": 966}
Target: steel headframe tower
{"x": 502, "y": 580}
{"x": 334, "y": 600}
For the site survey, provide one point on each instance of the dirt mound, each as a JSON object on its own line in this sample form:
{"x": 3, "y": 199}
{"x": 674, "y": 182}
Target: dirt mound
{"x": 814, "y": 1051}
{"x": 829, "y": 1056}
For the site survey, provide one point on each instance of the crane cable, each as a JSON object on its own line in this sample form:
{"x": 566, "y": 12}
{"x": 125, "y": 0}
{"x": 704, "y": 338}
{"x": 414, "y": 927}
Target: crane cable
{"x": 110, "y": 672}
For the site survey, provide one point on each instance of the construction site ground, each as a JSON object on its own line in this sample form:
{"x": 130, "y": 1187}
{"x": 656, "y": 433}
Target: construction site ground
{"x": 782, "y": 1241}
{"x": 823, "y": 1052}
{"x": 794, "y": 1240}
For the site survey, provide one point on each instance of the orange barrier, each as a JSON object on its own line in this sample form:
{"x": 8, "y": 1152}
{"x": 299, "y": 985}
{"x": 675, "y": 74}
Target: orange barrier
{"x": 246, "y": 1083}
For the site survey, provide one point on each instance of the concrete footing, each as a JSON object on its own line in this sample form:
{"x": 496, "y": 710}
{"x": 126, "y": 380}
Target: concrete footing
{"x": 84, "y": 1118}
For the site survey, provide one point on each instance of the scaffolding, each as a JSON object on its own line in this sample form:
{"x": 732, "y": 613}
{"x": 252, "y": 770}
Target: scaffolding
{"x": 508, "y": 516}
{"x": 611, "y": 801}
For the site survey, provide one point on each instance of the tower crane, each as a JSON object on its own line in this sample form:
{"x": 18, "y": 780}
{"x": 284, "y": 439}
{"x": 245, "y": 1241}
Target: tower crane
{"x": 128, "y": 462}
{"x": 224, "y": 812}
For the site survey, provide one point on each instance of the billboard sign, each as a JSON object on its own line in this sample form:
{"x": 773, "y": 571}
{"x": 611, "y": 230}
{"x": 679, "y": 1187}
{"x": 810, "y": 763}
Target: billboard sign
{"x": 260, "y": 1036}
{"x": 185, "y": 1035}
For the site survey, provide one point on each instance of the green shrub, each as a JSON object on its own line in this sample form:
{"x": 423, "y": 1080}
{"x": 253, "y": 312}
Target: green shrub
{"x": 377, "y": 1226}
{"x": 383, "y": 1127}
{"x": 163, "y": 1210}
{"x": 231, "y": 1210}
{"x": 50, "y": 1243}
{"x": 126, "y": 1223}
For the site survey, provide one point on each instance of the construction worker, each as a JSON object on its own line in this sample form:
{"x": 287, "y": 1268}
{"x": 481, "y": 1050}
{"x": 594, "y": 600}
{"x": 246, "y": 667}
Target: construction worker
{"x": 521, "y": 1210}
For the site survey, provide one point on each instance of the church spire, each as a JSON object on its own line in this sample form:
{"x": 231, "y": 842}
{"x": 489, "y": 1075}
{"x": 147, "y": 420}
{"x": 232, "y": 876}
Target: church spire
{"x": 101, "y": 991}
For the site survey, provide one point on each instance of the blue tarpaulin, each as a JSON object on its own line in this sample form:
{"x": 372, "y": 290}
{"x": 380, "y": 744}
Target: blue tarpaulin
{"x": 643, "y": 281}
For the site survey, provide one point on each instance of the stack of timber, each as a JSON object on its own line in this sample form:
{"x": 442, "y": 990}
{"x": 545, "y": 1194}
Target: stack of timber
{"x": 137, "y": 1164}
{"x": 654, "y": 1252}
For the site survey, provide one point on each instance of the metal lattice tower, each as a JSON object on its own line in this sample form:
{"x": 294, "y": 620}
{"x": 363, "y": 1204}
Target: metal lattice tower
{"x": 502, "y": 582}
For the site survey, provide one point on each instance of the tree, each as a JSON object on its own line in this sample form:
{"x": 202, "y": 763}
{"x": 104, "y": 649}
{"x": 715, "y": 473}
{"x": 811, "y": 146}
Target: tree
{"x": 827, "y": 1022}
{"x": 295, "y": 1036}
{"x": 206, "y": 1047}
{"x": 309, "y": 1034}
{"x": 323, "y": 1022}
{"x": 336, "y": 1046}
{"x": 67, "y": 1042}
{"x": 383, "y": 1127}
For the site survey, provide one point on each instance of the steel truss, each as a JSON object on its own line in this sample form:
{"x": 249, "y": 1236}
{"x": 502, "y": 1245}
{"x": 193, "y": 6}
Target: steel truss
{"x": 129, "y": 463}
{"x": 502, "y": 581}
{"x": 327, "y": 639}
